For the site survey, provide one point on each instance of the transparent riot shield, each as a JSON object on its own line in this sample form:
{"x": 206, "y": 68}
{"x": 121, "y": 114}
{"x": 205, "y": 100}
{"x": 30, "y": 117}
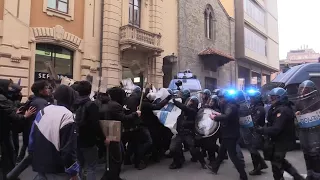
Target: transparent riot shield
{"x": 308, "y": 121}
{"x": 205, "y": 126}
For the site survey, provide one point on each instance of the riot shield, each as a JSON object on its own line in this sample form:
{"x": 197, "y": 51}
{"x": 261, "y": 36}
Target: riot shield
{"x": 245, "y": 118}
{"x": 205, "y": 126}
{"x": 308, "y": 121}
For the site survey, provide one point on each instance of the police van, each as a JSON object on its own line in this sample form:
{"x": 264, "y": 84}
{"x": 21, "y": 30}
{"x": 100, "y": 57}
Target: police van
{"x": 291, "y": 78}
{"x": 189, "y": 81}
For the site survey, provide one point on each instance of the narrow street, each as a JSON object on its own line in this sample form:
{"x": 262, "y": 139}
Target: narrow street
{"x": 193, "y": 171}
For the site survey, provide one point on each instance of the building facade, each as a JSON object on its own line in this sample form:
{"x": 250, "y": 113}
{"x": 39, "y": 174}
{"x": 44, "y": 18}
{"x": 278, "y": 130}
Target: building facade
{"x": 206, "y": 42}
{"x": 119, "y": 39}
{"x": 256, "y": 37}
{"x": 298, "y": 57}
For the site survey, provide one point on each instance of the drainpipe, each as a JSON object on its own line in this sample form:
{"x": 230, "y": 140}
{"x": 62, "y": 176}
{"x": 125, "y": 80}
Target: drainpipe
{"x": 101, "y": 45}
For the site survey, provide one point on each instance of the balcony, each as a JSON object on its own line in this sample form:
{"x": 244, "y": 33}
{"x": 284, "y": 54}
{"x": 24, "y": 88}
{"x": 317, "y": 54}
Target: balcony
{"x": 134, "y": 38}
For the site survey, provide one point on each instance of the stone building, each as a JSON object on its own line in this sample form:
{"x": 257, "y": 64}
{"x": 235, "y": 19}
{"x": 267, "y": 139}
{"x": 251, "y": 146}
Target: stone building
{"x": 298, "y": 57}
{"x": 117, "y": 38}
{"x": 206, "y": 42}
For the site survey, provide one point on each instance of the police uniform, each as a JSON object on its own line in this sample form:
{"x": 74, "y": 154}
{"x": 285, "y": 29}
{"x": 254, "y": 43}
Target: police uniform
{"x": 281, "y": 131}
{"x": 308, "y": 107}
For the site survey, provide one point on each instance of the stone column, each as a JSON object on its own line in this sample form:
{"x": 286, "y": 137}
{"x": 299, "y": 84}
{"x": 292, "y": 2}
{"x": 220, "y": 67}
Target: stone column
{"x": 156, "y": 26}
{"x": 111, "y": 67}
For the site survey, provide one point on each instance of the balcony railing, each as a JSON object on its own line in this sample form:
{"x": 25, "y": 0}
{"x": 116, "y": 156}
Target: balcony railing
{"x": 140, "y": 39}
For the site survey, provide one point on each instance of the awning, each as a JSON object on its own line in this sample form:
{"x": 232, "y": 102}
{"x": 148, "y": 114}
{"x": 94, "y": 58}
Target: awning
{"x": 211, "y": 51}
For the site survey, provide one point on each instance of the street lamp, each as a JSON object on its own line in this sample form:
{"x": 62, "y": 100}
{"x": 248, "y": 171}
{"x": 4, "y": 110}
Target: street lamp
{"x": 173, "y": 58}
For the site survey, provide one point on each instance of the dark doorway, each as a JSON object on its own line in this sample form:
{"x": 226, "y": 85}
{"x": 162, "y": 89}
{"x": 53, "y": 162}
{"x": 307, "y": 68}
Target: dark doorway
{"x": 210, "y": 83}
{"x": 167, "y": 69}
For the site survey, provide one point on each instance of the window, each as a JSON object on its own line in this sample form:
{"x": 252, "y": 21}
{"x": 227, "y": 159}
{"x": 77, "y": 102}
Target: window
{"x": 59, "y": 8}
{"x": 316, "y": 80}
{"x": 254, "y": 11}
{"x": 209, "y": 22}
{"x": 134, "y": 12}
{"x": 59, "y": 5}
{"x": 255, "y": 42}
{"x": 61, "y": 58}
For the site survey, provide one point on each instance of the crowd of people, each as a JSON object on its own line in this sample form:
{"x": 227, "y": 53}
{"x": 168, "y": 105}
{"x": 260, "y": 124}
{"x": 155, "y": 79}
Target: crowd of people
{"x": 62, "y": 134}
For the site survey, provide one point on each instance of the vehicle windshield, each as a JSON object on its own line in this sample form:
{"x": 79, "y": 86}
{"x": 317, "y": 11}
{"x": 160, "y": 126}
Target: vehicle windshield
{"x": 191, "y": 84}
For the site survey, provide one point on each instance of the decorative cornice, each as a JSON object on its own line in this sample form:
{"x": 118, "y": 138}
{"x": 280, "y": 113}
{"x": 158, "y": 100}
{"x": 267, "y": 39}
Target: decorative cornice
{"x": 56, "y": 35}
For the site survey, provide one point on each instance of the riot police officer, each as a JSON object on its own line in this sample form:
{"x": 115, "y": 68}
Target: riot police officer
{"x": 185, "y": 128}
{"x": 257, "y": 113}
{"x": 308, "y": 106}
{"x": 230, "y": 131}
{"x": 281, "y": 132}
{"x": 205, "y": 97}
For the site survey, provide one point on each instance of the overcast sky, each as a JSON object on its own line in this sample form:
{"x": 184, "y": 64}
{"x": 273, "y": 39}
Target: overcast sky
{"x": 299, "y": 23}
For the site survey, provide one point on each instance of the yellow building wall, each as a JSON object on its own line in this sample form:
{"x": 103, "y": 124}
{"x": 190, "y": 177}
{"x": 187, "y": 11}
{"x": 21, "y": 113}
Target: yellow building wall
{"x": 170, "y": 30}
{"x": 1, "y": 9}
{"x": 229, "y": 6}
{"x": 41, "y": 19}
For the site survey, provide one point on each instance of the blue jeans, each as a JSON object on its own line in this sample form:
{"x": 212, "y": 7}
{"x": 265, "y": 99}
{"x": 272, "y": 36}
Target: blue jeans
{"x": 88, "y": 158}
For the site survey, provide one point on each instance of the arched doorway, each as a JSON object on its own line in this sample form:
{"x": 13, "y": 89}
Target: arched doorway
{"x": 60, "y": 57}
{"x": 137, "y": 79}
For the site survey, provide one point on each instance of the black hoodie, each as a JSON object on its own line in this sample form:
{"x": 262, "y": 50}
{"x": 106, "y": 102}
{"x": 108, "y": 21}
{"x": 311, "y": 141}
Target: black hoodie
{"x": 7, "y": 111}
{"x": 114, "y": 109}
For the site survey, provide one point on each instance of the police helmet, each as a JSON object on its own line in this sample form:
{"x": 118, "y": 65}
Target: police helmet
{"x": 216, "y": 91}
{"x": 228, "y": 94}
{"x": 241, "y": 97}
{"x": 254, "y": 95}
{"x": 215, "y": 99}
{"x": 206, "y": 92}
{"x": 307, "y": 87}
{"x": 278, "y": 92}
{"x": 195, "y": 100}
{"x": 185, "y": 93}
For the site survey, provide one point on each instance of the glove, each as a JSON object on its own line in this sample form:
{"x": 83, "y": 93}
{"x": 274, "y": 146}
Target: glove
{"x": 260, "y": 130}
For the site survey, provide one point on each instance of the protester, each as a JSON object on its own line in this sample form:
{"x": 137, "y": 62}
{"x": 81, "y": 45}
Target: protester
{"x": 53, "y": 139}
{"x": 89, "y": 130}
{"x": 114, "y": 111}
{"x": 9, "y": 117}
{"x": 40, "y": 99}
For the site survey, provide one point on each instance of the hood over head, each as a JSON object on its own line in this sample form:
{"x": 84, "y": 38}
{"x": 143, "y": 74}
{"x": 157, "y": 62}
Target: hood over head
{"x": 117, "y": 94}
{"x": 4, "y": 86}
{"x": 65, "y": 96}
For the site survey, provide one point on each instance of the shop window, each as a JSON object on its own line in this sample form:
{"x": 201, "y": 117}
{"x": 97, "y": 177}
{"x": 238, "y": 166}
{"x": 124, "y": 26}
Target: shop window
{"x": 59, "y": 8}
{"x": 60, "y": 57}
{"x": 134, "y": 12}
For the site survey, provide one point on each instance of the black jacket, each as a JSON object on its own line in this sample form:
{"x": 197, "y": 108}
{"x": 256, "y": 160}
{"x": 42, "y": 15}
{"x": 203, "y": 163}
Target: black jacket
{"x": 258, "y": 114}
{"x": 147, "y": 116}
{"x": 229, "y": 119}
{"x": 186, "y": 120}
{"x": 132, "y": 103}
{"x": 87, "y": 119}
{"x": 281, "y": 126}
{"x": 7, "y": 111}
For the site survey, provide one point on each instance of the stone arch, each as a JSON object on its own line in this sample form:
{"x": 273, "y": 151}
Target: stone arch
{"x": 57, "y": 36}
